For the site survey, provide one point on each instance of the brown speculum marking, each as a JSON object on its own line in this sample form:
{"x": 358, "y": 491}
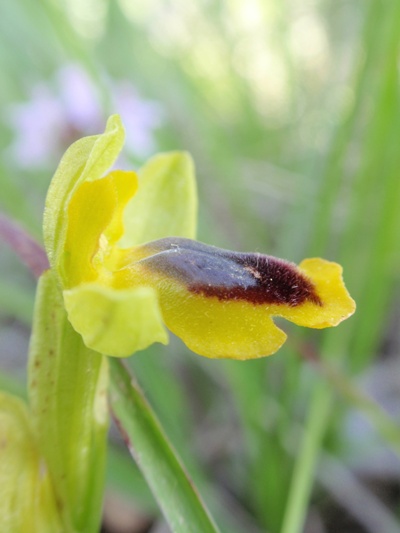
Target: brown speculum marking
{"x": 214, "y": 272}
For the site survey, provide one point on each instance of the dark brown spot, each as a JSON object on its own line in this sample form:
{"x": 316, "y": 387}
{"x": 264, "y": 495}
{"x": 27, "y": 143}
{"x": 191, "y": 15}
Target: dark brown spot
{"x": 214, "y": 272}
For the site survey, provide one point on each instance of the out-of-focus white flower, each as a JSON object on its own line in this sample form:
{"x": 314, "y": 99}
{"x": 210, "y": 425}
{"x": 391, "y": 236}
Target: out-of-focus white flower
{"x": 70, "y": 106}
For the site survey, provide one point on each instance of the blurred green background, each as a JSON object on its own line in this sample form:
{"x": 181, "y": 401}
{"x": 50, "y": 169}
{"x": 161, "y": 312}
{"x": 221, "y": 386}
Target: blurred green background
{"x": 291, "y": 111}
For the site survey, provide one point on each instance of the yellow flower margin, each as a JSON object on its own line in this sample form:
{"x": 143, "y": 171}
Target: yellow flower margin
{"x": 96, "y": 226}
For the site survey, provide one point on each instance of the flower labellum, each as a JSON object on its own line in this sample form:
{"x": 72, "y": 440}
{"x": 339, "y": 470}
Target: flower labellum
{"x": 221, "y": 302}
{"x": 122, "y": 246}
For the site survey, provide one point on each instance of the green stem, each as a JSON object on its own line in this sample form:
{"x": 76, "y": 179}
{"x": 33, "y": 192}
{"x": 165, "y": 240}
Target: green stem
{"x": 67, "y": 384}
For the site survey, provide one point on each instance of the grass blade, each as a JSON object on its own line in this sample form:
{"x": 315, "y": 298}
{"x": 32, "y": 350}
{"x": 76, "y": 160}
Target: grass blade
{"x": 178, "y": 498}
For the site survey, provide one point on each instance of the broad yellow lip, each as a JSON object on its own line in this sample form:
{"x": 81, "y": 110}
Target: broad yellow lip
{"x": 221, "y": 303}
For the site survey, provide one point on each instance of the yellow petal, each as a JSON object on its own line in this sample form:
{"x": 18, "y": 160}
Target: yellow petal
{"x": 94, "y": 223}
{"x": 221, "y": 303}
{"x": 209, "y": 327}
{"x": 85, "y": 160}
{"x": 166, "y": 202}
{"x": 115, "y": 322}
{"x": 336, "y": 303}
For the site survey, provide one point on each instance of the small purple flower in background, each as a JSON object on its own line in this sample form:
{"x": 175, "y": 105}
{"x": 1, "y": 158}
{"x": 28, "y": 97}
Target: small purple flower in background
{"x": 141, "y": 118}
{"x": 60, "y": 112}
{"x": 79, "y": 98}
{"x": 36, "y": 124}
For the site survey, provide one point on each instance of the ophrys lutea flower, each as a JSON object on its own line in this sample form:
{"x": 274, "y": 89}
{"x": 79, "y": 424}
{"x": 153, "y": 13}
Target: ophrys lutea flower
{"x": 122, "y": 246}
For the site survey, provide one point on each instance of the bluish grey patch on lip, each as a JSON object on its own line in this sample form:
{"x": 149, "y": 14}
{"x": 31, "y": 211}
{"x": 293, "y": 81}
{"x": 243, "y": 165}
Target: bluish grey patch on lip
{"x": 215, "y": 272}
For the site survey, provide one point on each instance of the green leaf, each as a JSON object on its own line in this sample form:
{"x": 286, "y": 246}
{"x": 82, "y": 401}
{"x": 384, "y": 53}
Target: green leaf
{"x": 178, "y": 498}
{"x": 166, "y": 202}
{"x": 67, "y": 392}
{"x": 124, "y": 478}
{"x": 27, "y": 503}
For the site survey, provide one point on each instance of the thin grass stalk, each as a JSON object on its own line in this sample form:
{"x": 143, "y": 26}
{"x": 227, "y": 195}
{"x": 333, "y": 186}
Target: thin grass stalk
{"x": 337, "y": 347}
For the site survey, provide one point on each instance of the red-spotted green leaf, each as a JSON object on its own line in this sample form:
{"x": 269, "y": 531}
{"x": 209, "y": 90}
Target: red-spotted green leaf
{"x": 67, "y": 392}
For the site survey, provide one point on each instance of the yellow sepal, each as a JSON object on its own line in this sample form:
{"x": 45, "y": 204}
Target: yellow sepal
{"x": 115, "y": 322}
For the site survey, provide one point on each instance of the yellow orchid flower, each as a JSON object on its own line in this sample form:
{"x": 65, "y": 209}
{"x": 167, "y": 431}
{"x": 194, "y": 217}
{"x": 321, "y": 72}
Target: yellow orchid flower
{"x": 122, "y": 247}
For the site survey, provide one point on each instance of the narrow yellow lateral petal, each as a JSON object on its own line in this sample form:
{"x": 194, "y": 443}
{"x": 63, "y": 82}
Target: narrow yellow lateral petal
{"x": 115, "y": 322}
{"x": 85, "y": 160}
{"x": 166, "y": 202}
{"x": 125, "y": 184}
{"x": 94, "y": 223}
